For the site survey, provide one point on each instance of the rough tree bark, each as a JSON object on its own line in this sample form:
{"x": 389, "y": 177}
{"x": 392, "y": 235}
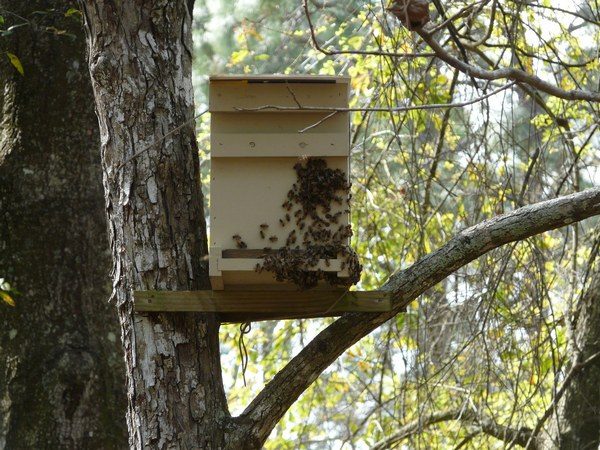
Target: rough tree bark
{"x": 140, "y": 62}
{"x": 61, "y": 370}
{"x": 576, "y": 424}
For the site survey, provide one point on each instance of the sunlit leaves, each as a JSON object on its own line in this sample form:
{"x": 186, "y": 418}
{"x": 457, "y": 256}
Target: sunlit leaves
{"x": 16, "y": 62}
{"x": 7, "y": 293}
{"x": 492, "y": 336}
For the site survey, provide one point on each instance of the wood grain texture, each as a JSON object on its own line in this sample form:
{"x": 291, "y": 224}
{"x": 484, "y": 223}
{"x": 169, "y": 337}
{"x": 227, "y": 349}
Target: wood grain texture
{"x": 279, "y": 304}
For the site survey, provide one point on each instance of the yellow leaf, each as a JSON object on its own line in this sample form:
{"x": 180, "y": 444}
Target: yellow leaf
{"x": 15, "y": 61}
{"x": 7, "y": 298}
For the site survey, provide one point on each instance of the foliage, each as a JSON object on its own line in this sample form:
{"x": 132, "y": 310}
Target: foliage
{"x": 7, "y": 292}
{"x": 493, "y": 337}
{"x": 11, "y": 23}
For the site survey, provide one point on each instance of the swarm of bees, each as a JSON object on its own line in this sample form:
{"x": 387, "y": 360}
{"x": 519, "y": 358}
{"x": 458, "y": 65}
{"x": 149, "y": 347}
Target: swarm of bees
{"x": 309, "y": 205}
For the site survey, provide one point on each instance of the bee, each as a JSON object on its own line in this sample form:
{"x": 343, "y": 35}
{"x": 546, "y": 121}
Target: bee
{"x": 281, "y": 222}
{"x": 262, "y": 234}
{"x": 291, "y": 238}
{"x": 343, "y": 266}
{"x": 301, "y": 225}
{"x": 327, "y": 263}
{"x": 273, "y": 239}
{"x": 236, "y": 237}
{"x": 287, "y": 217}
{"x": 264, "y": 226}
{"x": 241, "y": 244}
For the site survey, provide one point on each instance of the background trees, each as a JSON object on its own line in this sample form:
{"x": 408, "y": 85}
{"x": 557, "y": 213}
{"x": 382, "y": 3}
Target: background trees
{"x": 493, "y": 354}
{"x": 61, "y": 383}
{"x": 494, "y": 337}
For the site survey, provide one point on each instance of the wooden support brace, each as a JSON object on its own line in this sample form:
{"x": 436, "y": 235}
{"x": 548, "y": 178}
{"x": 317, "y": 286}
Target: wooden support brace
{"x": 244, "y": 306}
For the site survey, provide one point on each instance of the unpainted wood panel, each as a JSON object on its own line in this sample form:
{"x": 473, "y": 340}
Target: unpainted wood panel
{"x": 248, "y": 192}
{"x": 279, "y": 122}
{"x": 276, "y": 78}
{"x": 308, "y": 302}
{"x": 255, "y": 145}
{"x": 249, "y": 264}
{"x": 236, "y": 96}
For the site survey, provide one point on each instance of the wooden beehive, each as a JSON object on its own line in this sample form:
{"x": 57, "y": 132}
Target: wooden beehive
{"x": 260, "y": 127}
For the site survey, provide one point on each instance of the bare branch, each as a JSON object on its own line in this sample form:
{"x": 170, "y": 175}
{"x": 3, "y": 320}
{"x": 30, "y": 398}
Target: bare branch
{"x": 283, "y": 390}
{"x": 485, "y": 424}
{"x": 319, "y": 48}
{"x": 389, "y": 110}
{"x": 575, "y": 369}
{"x": 506, "y": 73}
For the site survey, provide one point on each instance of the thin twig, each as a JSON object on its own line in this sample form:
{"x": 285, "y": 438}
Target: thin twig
{"x": 395, "y": 110}
{"x": 319, "y": 48}
{"x": 316, "y": 124}
{"x": 154, "y": 144}
{"x": 509, "y": 73}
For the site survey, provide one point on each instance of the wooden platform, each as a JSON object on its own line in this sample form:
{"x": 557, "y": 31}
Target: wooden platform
{"x": 244, "y": 306}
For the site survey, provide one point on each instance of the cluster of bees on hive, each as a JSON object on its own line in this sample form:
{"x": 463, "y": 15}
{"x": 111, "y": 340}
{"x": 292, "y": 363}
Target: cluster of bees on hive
{"x": 317, "y": 233}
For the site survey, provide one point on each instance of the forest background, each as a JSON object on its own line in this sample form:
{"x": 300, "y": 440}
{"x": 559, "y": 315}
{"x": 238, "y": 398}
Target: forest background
{"x": 486, "y": 357}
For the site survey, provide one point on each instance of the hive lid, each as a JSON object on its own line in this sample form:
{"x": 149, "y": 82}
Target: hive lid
{"x": 278, "y": 78}
{"x": 278, "y": 93}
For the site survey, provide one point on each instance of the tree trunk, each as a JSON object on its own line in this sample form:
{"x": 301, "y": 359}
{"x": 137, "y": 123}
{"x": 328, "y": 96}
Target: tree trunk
{"x": 61, "y": 383}
{"x": 140, "y": 56}
{"x": 576, "y": 424}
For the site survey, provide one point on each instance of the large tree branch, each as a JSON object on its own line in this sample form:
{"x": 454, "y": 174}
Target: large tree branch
{"x": 283, "y": 390}
{"x": 508, "y": 73}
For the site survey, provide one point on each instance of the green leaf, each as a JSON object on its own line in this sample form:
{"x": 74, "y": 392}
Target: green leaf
{"x": 7, "y": 298}
{"x": 72, "y": 11}
{"x": 1, "y": 20}
{"x": 15, "y": 61}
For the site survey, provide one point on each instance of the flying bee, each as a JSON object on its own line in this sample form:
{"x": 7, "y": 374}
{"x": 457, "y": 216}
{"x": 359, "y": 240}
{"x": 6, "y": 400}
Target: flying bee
{"x": 236, "y": 237}
{"x": 273, "y": 239}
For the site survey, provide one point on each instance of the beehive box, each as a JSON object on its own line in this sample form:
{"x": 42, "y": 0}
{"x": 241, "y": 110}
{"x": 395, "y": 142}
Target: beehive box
{"x": 261, "y": 127}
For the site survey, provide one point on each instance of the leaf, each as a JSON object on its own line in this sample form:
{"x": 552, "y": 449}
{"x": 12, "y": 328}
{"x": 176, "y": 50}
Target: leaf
{"x": 72, "y": 11}
{"x": 15, "y": 61}
{"x": 7, "y": 298}
{"x": 1, "y": 20}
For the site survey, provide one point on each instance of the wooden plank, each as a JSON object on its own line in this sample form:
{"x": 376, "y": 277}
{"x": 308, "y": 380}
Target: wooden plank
{"x": 253, "y": 252}
{"x": 278, "y": 78}
{"x": 247, "y": 192}
{"x": 228, "y": 96}
{"x": 257, "y": 145}
{"x": 279, "y": 303}
{"x": 249, "y": 264}
{"x": 279, "y": 122}
{"x": 236, "y": 317}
